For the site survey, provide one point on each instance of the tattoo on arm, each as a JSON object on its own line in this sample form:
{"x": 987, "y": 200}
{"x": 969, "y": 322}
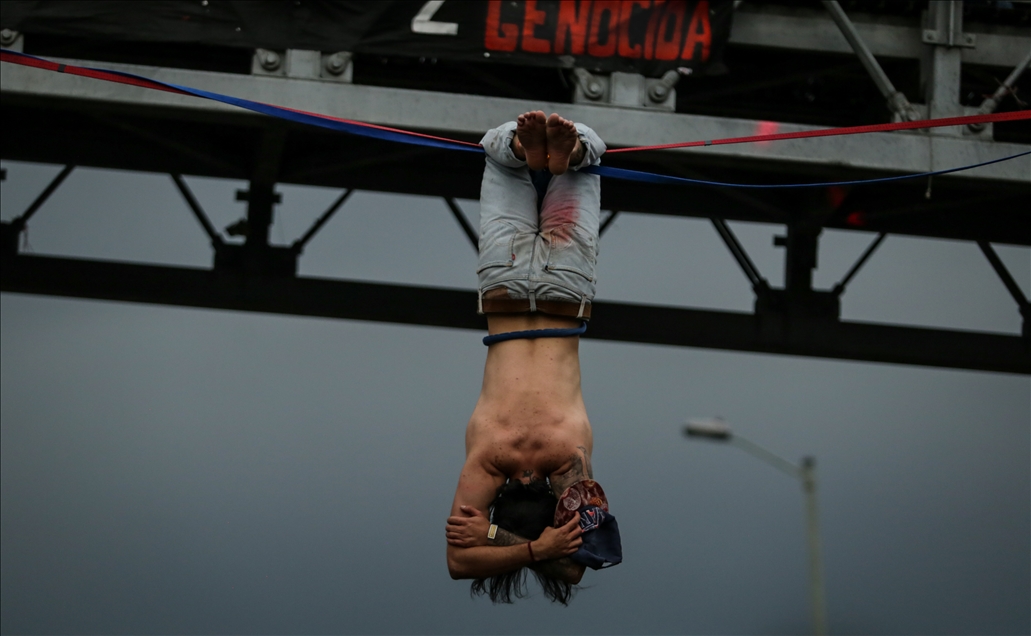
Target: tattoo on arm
{"x": 563, "y": 568}
{"x": 587, "y": 462}
{"x": 579, "y": 470}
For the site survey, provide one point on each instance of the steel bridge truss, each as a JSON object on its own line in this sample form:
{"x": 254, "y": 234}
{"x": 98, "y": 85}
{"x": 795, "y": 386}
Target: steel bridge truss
{"x": 76, "y": 121}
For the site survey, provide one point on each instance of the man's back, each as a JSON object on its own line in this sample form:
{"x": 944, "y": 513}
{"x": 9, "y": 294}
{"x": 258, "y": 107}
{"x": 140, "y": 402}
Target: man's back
{"x": 530, "y": 420}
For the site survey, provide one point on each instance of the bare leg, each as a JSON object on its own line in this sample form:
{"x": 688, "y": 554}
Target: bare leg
{"x": 563, "y": 144}
{"x": 530, "y": 141}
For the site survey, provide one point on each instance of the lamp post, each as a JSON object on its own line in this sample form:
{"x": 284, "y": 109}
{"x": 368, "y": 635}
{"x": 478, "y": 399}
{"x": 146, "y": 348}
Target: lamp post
{"x": 716, "y": 429}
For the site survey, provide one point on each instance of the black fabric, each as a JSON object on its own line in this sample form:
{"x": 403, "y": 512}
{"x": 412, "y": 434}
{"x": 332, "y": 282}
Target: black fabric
{"x": 601, "y": 546}
{"x": 644, "y": 37}
{"x": 540, "y": 180}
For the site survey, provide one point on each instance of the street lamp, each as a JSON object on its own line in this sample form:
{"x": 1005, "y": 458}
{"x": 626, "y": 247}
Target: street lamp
{"x": 717, "y": 430}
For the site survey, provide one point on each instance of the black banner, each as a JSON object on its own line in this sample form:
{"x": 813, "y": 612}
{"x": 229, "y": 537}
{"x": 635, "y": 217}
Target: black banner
{"x": 643, "y": 36}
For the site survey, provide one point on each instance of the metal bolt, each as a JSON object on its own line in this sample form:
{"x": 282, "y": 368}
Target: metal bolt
{"x": 591, "y": 86}
{"x": 269, "y": 60}
{"x": 658, "y": 92}
{"x": 8, "y": 36}
{"x": 336, "y": 64}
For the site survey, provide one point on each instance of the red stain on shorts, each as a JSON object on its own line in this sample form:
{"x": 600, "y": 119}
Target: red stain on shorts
{"x": 558, "y": 216}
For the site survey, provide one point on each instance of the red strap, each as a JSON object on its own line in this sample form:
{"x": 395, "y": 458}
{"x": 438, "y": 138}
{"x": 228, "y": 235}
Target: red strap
{"x": 69, "y": 69}
{"x": 852, "y": 130}
{"x": 132, "y": 80}
{"x": 378, "y": 127}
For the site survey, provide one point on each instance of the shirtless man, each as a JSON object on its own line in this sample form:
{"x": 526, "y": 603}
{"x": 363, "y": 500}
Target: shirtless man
{"x": 529, "y": 441}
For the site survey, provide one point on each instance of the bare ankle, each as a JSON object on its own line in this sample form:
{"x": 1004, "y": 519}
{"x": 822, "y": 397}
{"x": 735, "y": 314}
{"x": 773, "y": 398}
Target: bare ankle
{"x": 577, "y": 156}
{"x": 517, "y": 149}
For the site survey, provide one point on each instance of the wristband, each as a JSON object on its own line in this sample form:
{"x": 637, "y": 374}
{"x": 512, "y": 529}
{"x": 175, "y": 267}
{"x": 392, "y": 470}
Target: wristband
{"x": 529, "y": 547}
{"x": 492, "y": 531}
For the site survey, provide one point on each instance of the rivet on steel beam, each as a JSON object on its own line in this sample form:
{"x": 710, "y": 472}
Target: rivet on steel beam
{"x": 269, "y": 60}
{"x": 337, "y": 63}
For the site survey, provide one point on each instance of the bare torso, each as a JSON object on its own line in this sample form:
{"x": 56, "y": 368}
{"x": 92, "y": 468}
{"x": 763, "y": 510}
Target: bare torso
{"x": 530, "y": 421}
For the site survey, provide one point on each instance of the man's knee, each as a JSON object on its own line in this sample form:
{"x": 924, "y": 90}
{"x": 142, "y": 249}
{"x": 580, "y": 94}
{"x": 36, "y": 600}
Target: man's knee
{"x": 497, "y": 143}
{"x": 593, "y": 146}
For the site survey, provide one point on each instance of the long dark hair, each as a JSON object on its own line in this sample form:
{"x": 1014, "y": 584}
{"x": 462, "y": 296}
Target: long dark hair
{"x": 525, "y": 510}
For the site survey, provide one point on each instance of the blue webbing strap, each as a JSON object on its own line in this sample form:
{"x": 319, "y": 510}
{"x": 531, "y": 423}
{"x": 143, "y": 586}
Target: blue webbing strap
{"x": 311, "y": 119}
{"x": 289, "y": 114}
{"x": 650, "y": 177}
{"x": 530, "y": 334}
{"x": 401, "y": 136}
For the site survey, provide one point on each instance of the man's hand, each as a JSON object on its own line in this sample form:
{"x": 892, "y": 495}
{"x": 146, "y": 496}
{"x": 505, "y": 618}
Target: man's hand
{"x": 467, "y": 530}
{"x": 555, "y": 543}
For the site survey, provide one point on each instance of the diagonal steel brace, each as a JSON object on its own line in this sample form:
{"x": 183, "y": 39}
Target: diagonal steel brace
{"x": 897, "y": 102}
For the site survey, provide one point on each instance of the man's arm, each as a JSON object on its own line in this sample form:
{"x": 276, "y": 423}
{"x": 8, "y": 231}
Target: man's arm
{"x": 481, "y": 562}
{"x": 470, "y": 552}
{"x": 477, "y": 487}
{"x": 562, "y": 568}
{"x": 470, "y": 530}
{"x": 462, "y": 564}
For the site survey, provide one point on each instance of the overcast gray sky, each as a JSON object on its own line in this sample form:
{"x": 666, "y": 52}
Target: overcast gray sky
{"x": 171, "y": 470}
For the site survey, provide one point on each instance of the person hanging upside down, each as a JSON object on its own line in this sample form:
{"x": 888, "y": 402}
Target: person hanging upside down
{"x": 526, "y": 497}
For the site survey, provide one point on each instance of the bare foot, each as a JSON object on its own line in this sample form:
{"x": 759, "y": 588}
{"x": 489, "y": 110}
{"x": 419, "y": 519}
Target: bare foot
{"x": 563, "y": 144}
{"x": 531, "y": 136}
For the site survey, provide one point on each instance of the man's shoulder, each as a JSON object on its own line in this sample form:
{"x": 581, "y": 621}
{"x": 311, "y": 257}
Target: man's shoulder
{"x": 480, "y": 460}
{"x": 478, "y": 484}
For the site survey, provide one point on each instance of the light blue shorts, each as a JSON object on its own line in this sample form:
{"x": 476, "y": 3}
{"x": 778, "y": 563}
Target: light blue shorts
{"x": 529, "y": 256}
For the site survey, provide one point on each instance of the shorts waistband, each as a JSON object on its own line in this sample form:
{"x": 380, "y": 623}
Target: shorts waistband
{"x": 522, "y": 305}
